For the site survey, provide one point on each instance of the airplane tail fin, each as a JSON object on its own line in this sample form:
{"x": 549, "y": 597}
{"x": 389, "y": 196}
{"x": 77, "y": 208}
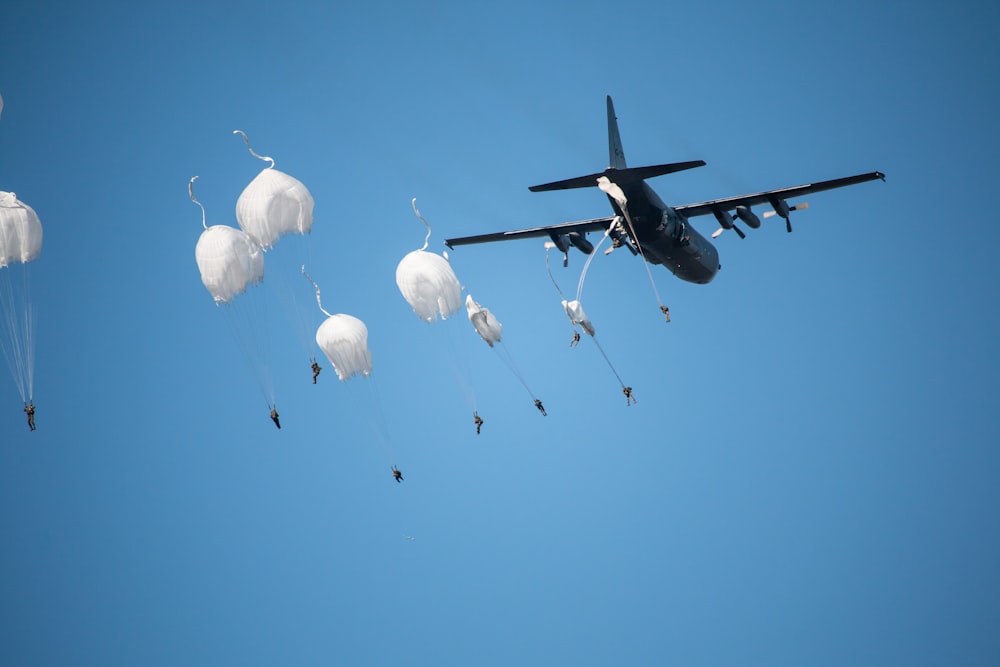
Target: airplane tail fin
{"x": 616, "y": 155}
{"x": 617, "y": 172}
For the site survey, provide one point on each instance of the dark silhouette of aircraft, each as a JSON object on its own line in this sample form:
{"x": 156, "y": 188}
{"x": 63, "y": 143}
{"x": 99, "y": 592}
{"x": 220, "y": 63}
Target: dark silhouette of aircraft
{"x": 648, "y": 227}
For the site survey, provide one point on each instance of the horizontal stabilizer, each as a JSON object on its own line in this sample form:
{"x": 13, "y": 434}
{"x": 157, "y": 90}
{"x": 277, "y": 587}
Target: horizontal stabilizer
{"x": 619, "y": 176}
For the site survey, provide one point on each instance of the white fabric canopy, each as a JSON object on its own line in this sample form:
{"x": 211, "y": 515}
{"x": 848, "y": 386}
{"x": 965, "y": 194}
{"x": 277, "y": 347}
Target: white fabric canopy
{"x": 429, "y": 285}
{"x": 482, "y": 319}
{"x": 574, "y": 309}
{"x": 344, "y": 340}
{"x": 20, "y": 231}
{"x": 229, "y": 262}
{"x": 273, "y": 204}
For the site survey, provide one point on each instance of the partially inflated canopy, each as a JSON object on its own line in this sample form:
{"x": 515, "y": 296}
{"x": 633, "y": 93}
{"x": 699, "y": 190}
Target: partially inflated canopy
{"x": 487, "y": 326}
{"x": 574, "y": 309}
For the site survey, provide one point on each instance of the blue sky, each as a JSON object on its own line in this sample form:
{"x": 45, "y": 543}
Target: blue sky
{"x": 809, "y": 476}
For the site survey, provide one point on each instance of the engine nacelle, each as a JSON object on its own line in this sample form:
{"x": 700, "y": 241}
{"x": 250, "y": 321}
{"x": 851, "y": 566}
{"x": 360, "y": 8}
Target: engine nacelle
{"x": 561, "y": 241}
{"x": 725, "y": 220}
{"x": 581, "y": 243}
{"x": 748, "y": 217}
{"x": 780, "y": 207}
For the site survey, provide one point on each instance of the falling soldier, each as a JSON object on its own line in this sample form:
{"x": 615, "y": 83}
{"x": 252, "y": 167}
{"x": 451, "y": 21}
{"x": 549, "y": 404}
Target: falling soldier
{"x": 629, "y": 398}
{"x": 576, "y": 339}
{"x": 316, "y": 368}
{"x": 397, "y": 475}
{"x": 29, "y": 410}
{"x": 538, "y": 404}
{"x": 274, "y": 417}
{"x": 478, "y": 420}
{"x": 666, "y": 312}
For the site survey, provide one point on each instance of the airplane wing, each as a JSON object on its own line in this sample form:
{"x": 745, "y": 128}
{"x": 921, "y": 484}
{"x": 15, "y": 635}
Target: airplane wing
{"x": 768, "y": 197}
{"x": 562, "y": 228}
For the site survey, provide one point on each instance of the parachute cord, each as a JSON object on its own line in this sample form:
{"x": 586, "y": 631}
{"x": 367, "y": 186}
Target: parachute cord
{"x": 456, "y": 354}
{"x": 645, "y": 263}
{"x": 509, "y": 362}
{"x": 316, "y": 287}
{"x": 191, "y": 195}
{"x": 29, "y": 337}
{"x": 423, "y": 220}
{"x": 610, "y": 365}
{"x": 18, "y": 341}
{"x": 586, "y": 265}
{"x": 259, "y": 157}
{"x": 548, "y": 246}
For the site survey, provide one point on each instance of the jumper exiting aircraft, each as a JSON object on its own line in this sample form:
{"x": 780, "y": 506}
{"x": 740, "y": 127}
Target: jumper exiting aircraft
{"x": 648, "y": 227}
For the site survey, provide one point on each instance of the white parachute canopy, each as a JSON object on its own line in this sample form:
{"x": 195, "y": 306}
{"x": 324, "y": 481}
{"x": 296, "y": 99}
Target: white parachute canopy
{"x": 20, "y": 244}
{"x": 20, "y": 231}
{"x": 482, "y": 319}
{"x": 229, "y": 262}
{"x": 574, "y": 309}
{"x": 344, "y": 341}
{"x": 427, "y": 281}
{"x": 273, "y": 204}
{"x": 429, "y": 285}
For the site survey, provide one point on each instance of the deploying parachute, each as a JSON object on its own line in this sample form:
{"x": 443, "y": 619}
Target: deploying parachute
{"x": 20, "y": 244}
{"x": 427, "y": 281}
{"x": 344, "y": 340}
{"x": 490, "y": 330}
{"x": 228, "y": 259}
{"x": 486, "y": 325}
{"x": 578, "y": 317}
{"x": 574, "y": 310}
{"x": 230, "y": 264}
{"x": 273, "y": 204}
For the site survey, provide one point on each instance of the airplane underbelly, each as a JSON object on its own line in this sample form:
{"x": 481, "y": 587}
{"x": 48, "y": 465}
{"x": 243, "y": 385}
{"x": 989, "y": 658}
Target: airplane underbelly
{"x": 692, "y": 258}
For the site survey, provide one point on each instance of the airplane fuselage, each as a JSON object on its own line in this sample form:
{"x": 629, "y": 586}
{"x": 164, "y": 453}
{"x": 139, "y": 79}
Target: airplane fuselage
{"x": 665, "y": 237}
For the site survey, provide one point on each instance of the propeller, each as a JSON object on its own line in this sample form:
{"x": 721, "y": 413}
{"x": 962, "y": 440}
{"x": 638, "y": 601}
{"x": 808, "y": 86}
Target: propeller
{"x": 785, "y": 213}
{"x": 726, "y": 222}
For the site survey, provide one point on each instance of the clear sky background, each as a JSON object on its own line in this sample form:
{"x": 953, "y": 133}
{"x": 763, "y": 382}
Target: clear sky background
{"x": 810, "y": 476}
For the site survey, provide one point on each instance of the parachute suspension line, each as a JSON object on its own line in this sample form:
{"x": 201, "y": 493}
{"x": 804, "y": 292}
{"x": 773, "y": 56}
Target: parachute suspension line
{"x": 19, "y": 327}
{"x": 610, "y": 365}
{"x": 246, "y": 317}
{"x": 191, "y": 195}
{"x": 316, "y": 287}
{"x": 259, "y": 157}
{"x": 29, "y": 335}
{"x": 364, "y": 397}
{"x": 649, "y": 273}
{"x": 586, "y": 265}
{"x": 549, "y": 246}
{"x": 423, "y": 220}
{"x": 614, "y": 191}
{"x": 457, "y": 355}
{"x": 504, "y": 354}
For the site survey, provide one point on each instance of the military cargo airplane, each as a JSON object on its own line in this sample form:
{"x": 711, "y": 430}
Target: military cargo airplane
{"x": 646, "y": 226}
